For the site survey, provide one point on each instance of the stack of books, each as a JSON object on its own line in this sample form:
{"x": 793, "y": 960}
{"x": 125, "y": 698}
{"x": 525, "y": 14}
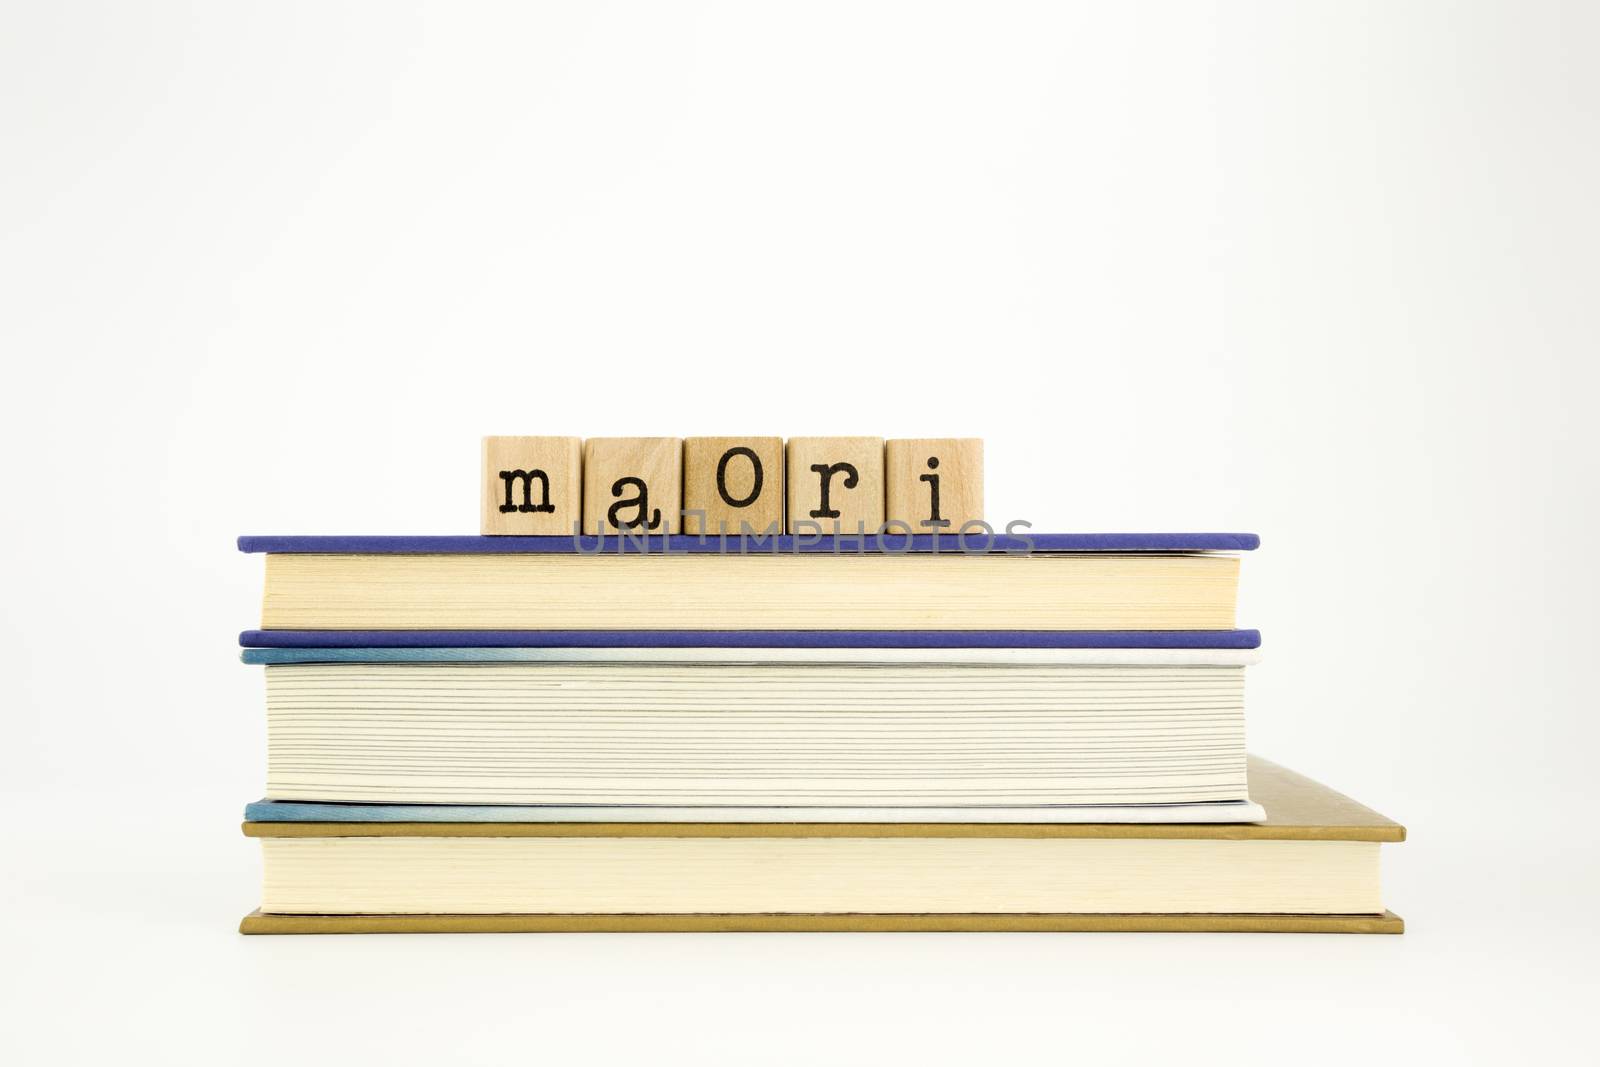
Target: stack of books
{"x": 666, "y": 733}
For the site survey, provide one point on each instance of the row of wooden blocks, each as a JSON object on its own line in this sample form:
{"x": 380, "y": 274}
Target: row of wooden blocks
{"x": 731, "y": 485}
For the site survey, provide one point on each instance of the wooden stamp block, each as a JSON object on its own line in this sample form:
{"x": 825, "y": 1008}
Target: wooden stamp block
{"x": 935, "y": 484}
{"x": 836, "y": 483}
{"x": 735, "y": 481}
{"x": 531, "y": 485}
{"x": 633, "y": 484}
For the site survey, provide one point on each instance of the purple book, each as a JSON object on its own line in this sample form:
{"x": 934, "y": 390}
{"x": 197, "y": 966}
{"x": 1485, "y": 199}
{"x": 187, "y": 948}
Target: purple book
{"x": 1124, "y": 543}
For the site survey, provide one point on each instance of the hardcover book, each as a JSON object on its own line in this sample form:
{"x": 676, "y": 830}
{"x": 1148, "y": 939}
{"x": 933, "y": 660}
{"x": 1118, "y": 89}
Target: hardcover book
{"x": 1311, "y": 866}
{"x": 1047, "y": 582}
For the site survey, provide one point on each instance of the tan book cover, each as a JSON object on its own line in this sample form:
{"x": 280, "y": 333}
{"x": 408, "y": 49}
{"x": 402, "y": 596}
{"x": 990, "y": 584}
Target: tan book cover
{"x": 1298, "y": 809}
{"x": 257, "y": 923}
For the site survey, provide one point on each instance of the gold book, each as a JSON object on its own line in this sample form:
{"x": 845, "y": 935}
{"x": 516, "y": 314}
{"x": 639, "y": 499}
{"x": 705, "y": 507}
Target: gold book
{"x": 1311, "y": 866}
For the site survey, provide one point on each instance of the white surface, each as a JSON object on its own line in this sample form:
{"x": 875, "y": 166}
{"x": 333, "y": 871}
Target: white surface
{"x": 1325, "y": 272}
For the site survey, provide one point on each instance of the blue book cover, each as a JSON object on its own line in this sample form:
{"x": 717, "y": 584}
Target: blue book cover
{"x": 481, "y": 640}
{"x": 671, "y": 544}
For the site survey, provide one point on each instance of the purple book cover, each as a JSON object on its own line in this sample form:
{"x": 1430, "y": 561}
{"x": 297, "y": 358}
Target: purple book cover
{"x": 670, "y": 544}
{"x": 1171, "y": 639}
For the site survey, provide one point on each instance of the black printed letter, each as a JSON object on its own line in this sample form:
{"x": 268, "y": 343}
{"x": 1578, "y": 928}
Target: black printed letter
{"x": 527, "y": 491}
{"x": 851, "y": 476}
{"x": 722, "y": 477}
{"x": 642, "y": 502}
{"x": 933, "y": 518}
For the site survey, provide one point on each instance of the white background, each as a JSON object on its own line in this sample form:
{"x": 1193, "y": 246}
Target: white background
{"x": 1324, "y": 272}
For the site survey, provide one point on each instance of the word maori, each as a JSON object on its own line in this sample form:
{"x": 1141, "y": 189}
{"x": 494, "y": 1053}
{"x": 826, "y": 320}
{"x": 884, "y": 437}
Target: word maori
{"x": 731, "y": 485}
